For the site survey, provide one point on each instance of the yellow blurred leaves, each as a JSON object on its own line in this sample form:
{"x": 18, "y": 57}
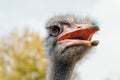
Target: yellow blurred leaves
{"x": 21, "y": 57}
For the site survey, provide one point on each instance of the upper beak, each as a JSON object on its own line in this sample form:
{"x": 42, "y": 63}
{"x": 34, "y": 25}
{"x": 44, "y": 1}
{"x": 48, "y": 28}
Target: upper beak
{"x": 81, "y": 33}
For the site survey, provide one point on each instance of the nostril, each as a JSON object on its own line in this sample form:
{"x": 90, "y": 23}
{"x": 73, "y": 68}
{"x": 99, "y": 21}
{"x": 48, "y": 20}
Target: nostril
{"x": 79, "y": 27}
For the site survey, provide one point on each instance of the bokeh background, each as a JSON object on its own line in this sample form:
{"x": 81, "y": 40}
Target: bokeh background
{"x": 22, "y": 36}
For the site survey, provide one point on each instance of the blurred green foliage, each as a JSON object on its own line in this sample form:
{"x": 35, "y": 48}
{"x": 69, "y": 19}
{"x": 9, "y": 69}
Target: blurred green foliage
{"x": 21, "y": 57}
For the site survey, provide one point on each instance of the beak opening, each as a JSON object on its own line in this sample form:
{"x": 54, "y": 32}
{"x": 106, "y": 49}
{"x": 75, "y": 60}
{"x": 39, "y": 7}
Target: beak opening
{"x": 79, "y": 36}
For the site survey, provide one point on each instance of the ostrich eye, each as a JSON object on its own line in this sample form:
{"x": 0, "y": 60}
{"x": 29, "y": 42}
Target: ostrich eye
{"x": 54, "y": 30}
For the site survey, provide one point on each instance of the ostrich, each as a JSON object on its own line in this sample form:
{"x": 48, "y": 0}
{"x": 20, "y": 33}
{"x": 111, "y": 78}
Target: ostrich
{"x": 68, "y": 41}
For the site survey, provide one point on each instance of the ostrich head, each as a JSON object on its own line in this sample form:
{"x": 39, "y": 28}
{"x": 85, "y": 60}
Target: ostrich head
{"x": 69, "y": 37}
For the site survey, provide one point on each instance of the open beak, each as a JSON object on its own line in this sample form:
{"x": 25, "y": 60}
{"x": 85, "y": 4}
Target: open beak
{"x": 79, "y": 36}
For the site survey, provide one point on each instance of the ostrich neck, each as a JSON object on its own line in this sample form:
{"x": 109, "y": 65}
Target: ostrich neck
{"x": 59, "y": 71}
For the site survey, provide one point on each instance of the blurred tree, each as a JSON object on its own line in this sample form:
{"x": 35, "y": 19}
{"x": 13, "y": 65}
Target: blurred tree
{"x": 21, "y": 57}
